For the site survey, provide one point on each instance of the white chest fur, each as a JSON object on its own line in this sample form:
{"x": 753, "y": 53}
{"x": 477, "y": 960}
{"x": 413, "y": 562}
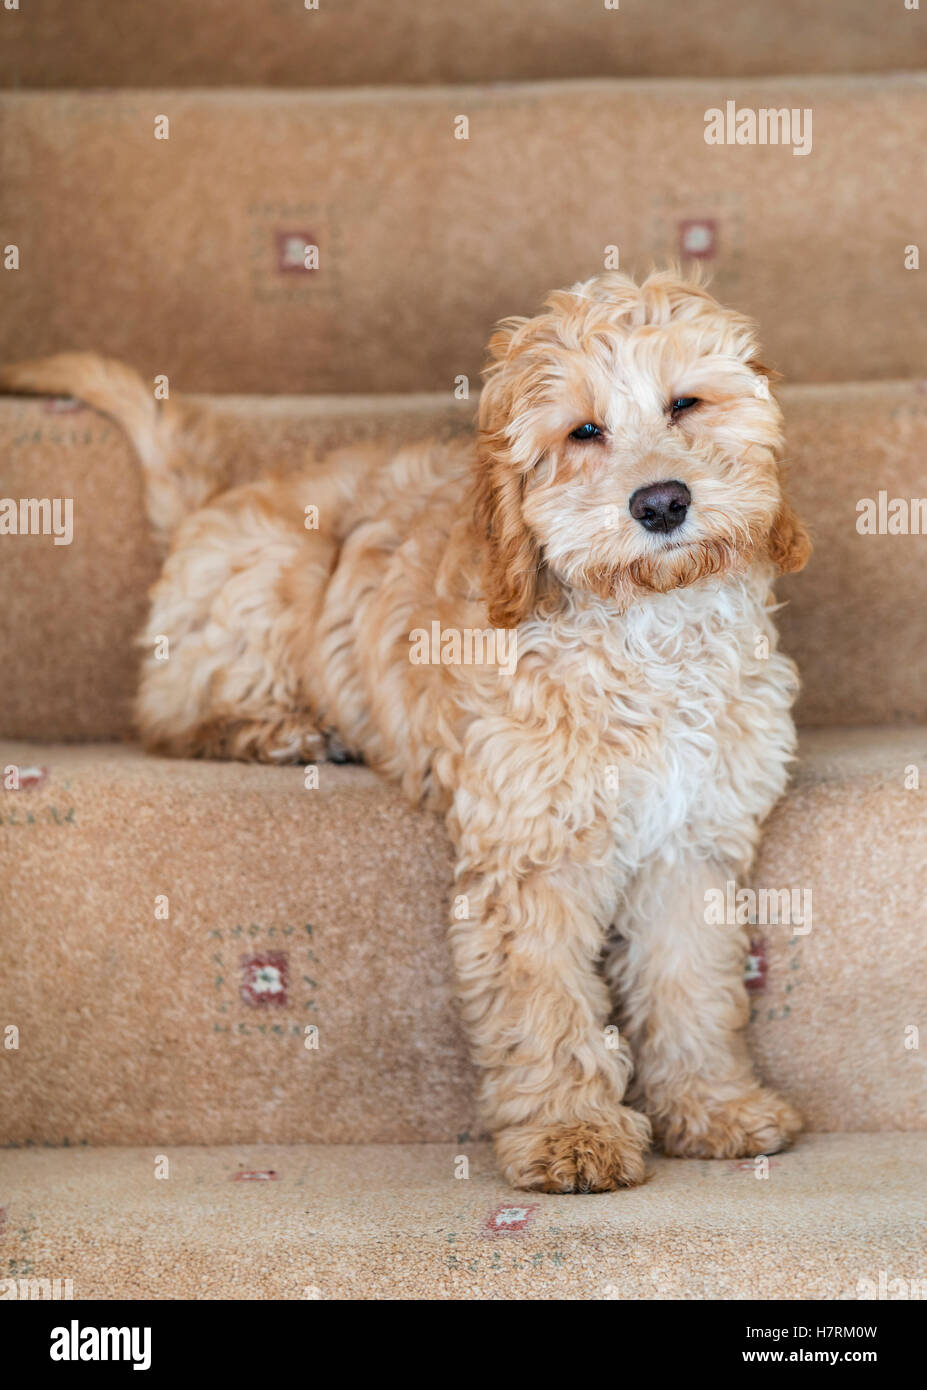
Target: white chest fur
{"x": 695, "y": 678}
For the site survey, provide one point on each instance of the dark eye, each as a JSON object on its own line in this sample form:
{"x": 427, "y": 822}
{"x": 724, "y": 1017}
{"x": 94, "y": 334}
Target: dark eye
{"x": 586, "y": 431}
{"x": 683, "y": 403}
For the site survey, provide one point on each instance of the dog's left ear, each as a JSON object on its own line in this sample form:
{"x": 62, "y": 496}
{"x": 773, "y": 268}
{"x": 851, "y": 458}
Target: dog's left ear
{"x": 789, "y": 542}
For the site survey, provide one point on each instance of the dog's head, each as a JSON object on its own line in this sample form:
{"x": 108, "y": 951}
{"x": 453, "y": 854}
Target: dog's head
{"x": 629, "y": 443}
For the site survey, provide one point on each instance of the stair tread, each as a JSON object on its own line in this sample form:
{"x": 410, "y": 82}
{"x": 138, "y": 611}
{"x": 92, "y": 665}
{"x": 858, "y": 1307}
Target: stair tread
{"x": 825, "y": 755}
{"x": 392, "y": 1221}
{"x": 529, "y": 39}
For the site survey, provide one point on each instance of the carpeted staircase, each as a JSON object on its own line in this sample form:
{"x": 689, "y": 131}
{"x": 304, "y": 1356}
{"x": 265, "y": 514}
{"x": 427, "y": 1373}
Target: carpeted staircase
{"x": 235, "y": 1068}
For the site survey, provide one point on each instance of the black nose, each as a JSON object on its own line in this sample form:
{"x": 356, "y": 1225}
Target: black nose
{"x": 661, "y": 507}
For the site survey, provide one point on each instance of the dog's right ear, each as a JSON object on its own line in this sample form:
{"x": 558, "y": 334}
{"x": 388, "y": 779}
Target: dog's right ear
{"x": 510, "y": 572}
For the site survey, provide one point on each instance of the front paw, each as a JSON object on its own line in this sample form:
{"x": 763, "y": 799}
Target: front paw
{"x": 579, "y": 1157}
{"x": 759, "y": 1122}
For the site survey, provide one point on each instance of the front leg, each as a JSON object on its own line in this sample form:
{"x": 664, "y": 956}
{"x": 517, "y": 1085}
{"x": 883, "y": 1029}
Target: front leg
{"x": 536, "y": 1008}
{"x": 678, "y": 982}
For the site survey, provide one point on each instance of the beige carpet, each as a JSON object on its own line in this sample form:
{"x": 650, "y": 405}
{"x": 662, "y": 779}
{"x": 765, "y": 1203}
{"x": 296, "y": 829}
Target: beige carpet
{"x": 139, "y": 1029}
{"x": 66, "y": 646}
{"x": 172, "y": 934}
{"x": 129, "y": 43}
{"x": 178, "y": 252}
{"x": 387, "y": 1222}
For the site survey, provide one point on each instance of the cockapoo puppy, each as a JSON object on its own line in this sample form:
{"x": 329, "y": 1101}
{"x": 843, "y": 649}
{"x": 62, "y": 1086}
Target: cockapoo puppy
{"x": 614, "y": 534}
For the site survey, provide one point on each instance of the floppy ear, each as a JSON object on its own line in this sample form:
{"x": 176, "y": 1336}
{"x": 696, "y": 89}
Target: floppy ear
{"x": 789, "y": 542}
{"x": 512, "y": 558}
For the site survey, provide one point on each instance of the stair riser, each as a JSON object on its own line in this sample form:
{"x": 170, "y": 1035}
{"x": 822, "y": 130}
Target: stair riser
{"x": 67, "y": 650}
{"x": 136, "y": 1028}
{"x": 180, "y": 259}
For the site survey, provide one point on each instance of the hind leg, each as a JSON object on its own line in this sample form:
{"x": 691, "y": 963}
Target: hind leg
{"x": 241, "y": 587}
{"x": 285, "y": 738}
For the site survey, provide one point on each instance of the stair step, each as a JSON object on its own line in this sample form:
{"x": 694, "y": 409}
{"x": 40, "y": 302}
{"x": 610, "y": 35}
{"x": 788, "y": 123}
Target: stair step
{"x": 62, "y": 45}
{"x": 140, "y": 1030}
{"x": 179, "y": 252}
{"x": 393, "y": 1222}
{"x": 67, "y": 652}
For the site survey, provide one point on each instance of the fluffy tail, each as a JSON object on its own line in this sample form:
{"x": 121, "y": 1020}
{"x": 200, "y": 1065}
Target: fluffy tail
{"x": 175, "y": 442}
